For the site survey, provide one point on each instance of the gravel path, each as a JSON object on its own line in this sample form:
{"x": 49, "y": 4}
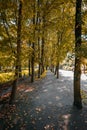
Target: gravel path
{"x": 46, "y": 105}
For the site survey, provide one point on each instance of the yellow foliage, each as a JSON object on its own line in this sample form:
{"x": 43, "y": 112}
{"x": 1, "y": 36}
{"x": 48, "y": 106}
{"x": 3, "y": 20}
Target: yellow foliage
{"x": 5, "y": 77}
{"x": 83, "y": 94}
{"x": 43, "y": 75}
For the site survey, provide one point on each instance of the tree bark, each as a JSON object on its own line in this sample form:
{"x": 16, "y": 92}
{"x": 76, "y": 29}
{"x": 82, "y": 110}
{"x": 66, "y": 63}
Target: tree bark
{"x": 29, "y": 67}
{"x": 39, "y": 48}
{"x": 43, "y": 42}
{"x": 59, "y": 40}
{"x": 42, "y": 56}
{"x": 0, "y": 68}
{"x": 77, "y": 70}
{"x": 39, "y": 58}
{"x": 32, "y": 64}
{"x": 19, "y": 39}
{"x": 18, "y": 59}
{"x": 57, "y": 70}
{"x": 33, "y": 47}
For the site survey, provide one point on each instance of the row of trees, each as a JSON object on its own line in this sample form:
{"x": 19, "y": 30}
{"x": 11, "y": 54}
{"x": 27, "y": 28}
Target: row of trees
{"x": 41, "y": 32}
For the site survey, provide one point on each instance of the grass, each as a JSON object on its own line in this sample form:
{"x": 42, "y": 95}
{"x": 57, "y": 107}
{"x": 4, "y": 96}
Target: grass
{"x": 9, "y": 76}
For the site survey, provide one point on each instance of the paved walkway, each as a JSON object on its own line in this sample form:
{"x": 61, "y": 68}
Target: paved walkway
{"x": 45, "y": 105}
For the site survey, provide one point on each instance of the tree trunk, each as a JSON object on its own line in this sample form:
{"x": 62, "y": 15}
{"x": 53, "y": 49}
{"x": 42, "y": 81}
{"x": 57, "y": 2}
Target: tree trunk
{"x": 42, "y": 56}
{"x": 39, "y": 48}
{"x": 19, "y": 39}
{"x": 53, "y": 68}
{"x": 0, "y": 68}
{"x": 77, "y": 70}
{"x": 32, "y": 63}
{"x": 18, "y": 59}
{"x": 39, "y": 71}
{"x": 57, "y": 70}
{"x": 20, "y": 71}
{"x": 33, "y": 47}
{"x": 32, "y": 68}
{"x": 39, "y": 58}
{"x": 43, "y": 42}
{"x": 46, "y": 67}
{"x": 29, "y": 67}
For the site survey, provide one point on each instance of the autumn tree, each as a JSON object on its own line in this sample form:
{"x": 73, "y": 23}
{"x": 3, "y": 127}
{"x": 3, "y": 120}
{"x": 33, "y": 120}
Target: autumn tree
{"x": 18, "y": 60}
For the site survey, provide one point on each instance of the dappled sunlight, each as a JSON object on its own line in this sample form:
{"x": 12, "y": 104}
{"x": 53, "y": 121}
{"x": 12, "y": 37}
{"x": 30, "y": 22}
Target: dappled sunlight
{"x": 61, "y": 90}
{"x": 38, "y": 109}
{"x": 64, "y": 87}
{"x": 5, "y": 96}
{"x": 57, "y": 97}
{"x": 60, "y": 104}
{"x": 37, "y": 97}
{"x": 48, "y": 107}
{"x": 25, "y": 88}
{"x": 30, "y": 89}
{"x": 39, "y": 38}
{"x": 21, "y": 87}
{"x": 49, "y": 126}
{"x": 45, "y": 90}
{"x": 67, "y": 116}
{"x": 66, "y": 119}
{"x": 58, "y": 89}
{"x": 50, "y": 102}
{"x": 60, "y": 80}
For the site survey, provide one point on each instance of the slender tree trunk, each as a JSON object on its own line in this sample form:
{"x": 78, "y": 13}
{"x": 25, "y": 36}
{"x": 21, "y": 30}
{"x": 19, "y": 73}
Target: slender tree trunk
{"x": 32, "y": 63}
{"x": 32, "y": 67}
{"x": 53, "y": 68}
{"x": 29, "y": 61}
{"x": 42, "y": 51}
{"x": 59, "y": 40}
{"x": 33, "y": 47}
{"x": 18, "y": 59}
{"x": 42, "y": 56}
{"x": 20, "y": 71}
{"x": 19, "y": 39}
{"x": 0, "y": 68}
{"x": 77, "y": 70}
{"x": 29, "y": 67}
{"x": 57, "y": 70}
{"x": 39, "y": 57}
{"x": 39, "y": 70}
{"x": 39, "y": 48}
{"x": 46, "y": 67}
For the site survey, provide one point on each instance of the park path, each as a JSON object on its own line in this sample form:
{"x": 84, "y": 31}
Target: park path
{"x": 46, "y": 105}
